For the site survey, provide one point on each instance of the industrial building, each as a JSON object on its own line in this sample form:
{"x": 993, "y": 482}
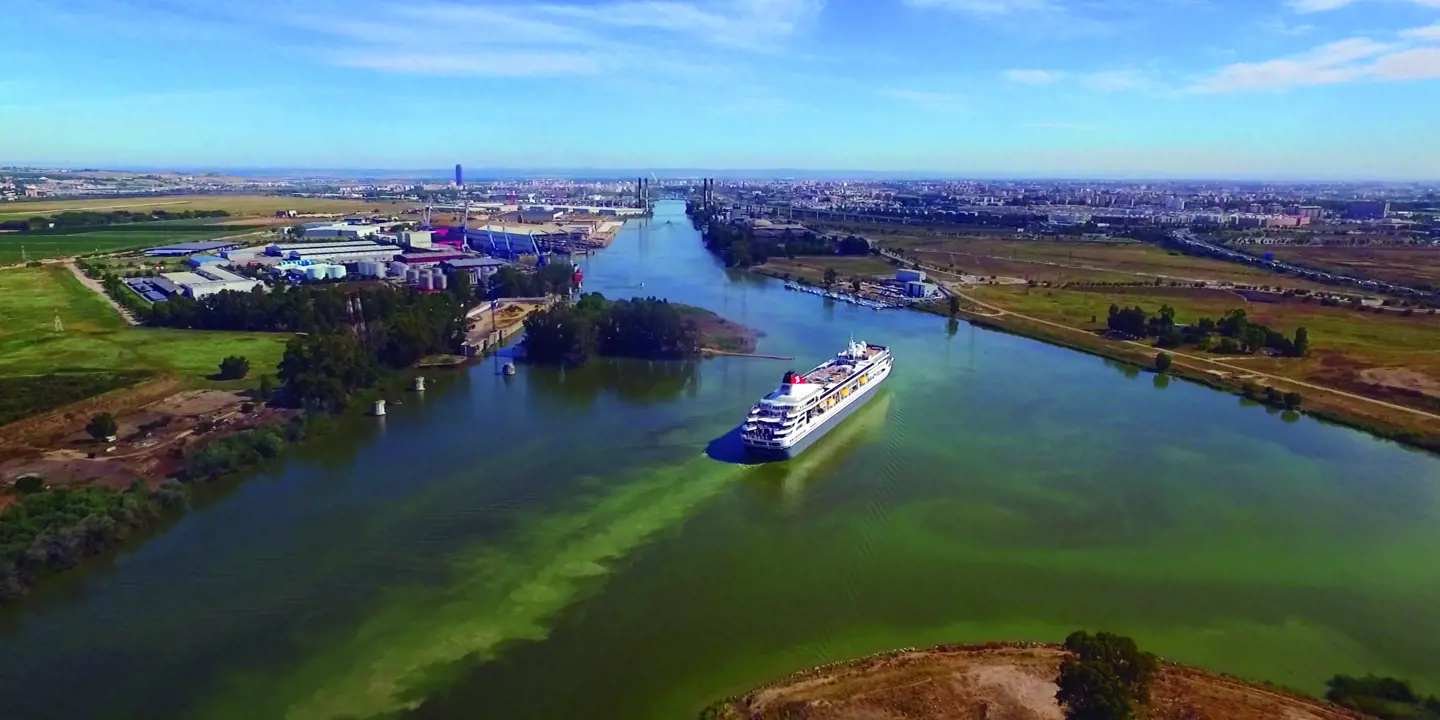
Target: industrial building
{"x": 478, "y": 268}
{"x": 906, "y": 276}
{"x": 917, "y": 289}
{"x": 430, "y": 258}
{"x": 334, "y": 252}
{"x": 510, "y": 241}
{"x": 340, "y": 230}
{"x": 192, "y": 248}
{"x": 198, "y": 260}
{"x": 416, "y": 239}
{"x": 208, "y": 280}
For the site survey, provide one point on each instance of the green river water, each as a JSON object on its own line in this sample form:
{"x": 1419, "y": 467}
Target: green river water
{"x": 568, "y": 545}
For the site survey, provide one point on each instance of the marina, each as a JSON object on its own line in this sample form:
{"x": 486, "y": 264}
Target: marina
{"x": 844, "y": 297}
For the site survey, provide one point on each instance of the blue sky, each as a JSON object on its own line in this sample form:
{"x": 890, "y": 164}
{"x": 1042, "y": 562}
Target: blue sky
{"x": 1116, "y": 88}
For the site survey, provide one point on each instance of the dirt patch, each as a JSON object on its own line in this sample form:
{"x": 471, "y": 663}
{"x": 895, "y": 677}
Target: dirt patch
{"x": 1403, "y": 379}
{"x": 150, "y": 444}
{"x": 999, "y": 682}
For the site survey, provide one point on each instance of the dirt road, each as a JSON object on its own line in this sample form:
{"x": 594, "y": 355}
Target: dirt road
{"x": 100, "y": 289}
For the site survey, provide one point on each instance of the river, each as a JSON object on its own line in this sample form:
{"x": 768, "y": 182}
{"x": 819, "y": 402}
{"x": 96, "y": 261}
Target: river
{"x": 559, "y": 545}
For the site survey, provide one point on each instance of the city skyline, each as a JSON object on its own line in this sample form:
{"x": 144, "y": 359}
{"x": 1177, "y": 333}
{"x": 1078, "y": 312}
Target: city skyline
{"x": 1305, "y": 89}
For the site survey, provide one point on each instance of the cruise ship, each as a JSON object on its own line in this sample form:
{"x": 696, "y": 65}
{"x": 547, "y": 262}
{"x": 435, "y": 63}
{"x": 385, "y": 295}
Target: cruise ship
{"x": 807, "y": 406}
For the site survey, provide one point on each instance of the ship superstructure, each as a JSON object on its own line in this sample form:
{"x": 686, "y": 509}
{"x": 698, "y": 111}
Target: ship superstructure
{"x": 806, "y": 406}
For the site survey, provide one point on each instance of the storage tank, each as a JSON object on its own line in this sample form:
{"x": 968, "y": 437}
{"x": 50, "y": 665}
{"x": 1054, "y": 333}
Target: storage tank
{"x": 427, "y": 282}
{"x": 335, "y": 272}
{"x": 412, "y": 275}
{"x": 315, "y": 272}
{"x": 398, "y": 268}
{"x": 441, "y": 281}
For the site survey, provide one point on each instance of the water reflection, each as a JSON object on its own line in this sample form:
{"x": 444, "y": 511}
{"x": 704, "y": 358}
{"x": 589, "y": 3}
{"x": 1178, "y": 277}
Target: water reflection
{"x": 1126, "y": 369}
{"x": 634, "y": 381}
{"x": 791, "y": 479}
{"x": 1161, "y": 381}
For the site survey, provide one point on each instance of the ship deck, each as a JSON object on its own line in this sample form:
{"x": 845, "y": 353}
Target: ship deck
{"x": 835, "y": 371}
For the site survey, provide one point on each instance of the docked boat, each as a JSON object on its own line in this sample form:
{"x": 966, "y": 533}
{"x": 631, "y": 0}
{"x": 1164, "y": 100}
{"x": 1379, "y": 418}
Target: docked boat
{"x": 806, "y": 406}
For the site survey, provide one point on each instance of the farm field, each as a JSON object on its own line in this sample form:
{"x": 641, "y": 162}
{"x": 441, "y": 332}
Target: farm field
{"x": 1412, "y": 266}
{"x": 236, "y": 205}
{"x": 1060, "y": 261}
{"x": 95, "y": 340}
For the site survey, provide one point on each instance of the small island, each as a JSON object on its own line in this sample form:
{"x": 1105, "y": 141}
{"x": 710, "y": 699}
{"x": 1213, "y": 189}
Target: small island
{"x": 643, "y": 328}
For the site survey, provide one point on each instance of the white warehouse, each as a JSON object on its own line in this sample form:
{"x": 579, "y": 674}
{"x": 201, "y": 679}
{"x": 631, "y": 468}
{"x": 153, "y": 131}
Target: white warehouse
{"x": 353, "y": 251}
{"x": 208, "y": 280}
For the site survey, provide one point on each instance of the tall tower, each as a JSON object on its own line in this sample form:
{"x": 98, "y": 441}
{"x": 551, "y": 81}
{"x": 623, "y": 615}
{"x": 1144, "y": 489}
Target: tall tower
{"x": 459, "y": 176}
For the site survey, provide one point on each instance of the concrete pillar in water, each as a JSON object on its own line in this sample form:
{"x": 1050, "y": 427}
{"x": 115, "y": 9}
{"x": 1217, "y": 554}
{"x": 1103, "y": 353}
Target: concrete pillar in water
{"x": 419, "y": 385}
{"x": 379, "y": 409}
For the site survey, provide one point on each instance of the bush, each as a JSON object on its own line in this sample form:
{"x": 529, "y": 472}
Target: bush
{"x": 102, "y": 426}
{"x": 1292, "y": 400}
{"x": 1163, "y": 361}
{"x": 234, "y": 367}
{"x": 29, "y": 484}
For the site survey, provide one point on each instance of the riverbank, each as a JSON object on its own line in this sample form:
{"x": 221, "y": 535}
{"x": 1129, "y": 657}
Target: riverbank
{"x": 1392, "y": 422}
{"x": 719, "y": 336}
{"x": 1014, "y": 681}
{"x": 1353, "y": 404}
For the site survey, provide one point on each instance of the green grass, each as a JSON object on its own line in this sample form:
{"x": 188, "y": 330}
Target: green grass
{"x": 236, "y": 205}
{"x": 97, "y": 340}
{"x": 41, "y": 246}
{"x": 1366, "y": 338}
{"x": 21, "y": 397}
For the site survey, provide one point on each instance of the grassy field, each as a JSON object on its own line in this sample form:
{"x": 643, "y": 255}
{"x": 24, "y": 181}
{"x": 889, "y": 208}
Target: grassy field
{"x": 236, "y": 205}
{"x": 813, "y": 268}
{"x": 95, "y": 339}
{"x": 15, "y": 249}
{"x": 1405, "y": 265}
{"x": 1060, "y": 261}
{"x": 1344, "y": 343}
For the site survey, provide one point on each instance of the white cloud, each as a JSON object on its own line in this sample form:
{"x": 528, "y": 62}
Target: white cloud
{"x": 1417, "y": 64}
{"x": 1338, "y": 62}
{"x": 1424, "y": 33}
{"x": 927, "y": 99}
{"x": 1104, "y": 81}
{"x": 480, "y": 63}
{"x": 987, "y": 7}
{"x": 1032, "y": 77}
{"x": 1118, "y": 81}
{"x": 1315, "y": 6}
{"x": 1280, "y": 27}
{"x": 744, "y": 23}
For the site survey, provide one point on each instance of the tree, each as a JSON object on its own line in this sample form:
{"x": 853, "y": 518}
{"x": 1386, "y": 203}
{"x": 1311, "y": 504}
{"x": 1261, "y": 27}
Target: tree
{"x": 266, "y": 389}
{"x": 1106, "y": 677}
{"x": 954, "y": 306}
{"x": 1302, "y": 342}
{"x": 855, "y": 285}
{"x": 830, "y": 277}
{"x": 1163, "y": 362}
{"x": 234, "y": 367}
{"x": 1292, "y": 400}
{"x": 102, "y": 426}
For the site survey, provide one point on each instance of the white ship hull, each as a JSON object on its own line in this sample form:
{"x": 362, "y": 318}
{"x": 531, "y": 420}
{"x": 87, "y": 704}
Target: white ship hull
{"x": 788, "y": 421}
